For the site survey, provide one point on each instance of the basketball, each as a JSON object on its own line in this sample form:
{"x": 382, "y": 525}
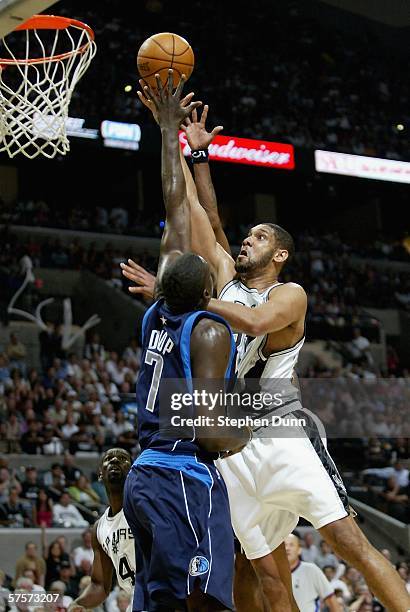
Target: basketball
{"x": 161, "y": 52}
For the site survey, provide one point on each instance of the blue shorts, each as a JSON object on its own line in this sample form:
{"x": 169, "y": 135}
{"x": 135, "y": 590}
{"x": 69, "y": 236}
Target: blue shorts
{"x": 178, "y": 511}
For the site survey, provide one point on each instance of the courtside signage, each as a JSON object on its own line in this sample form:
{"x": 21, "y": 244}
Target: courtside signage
{"x": 363, "y": 167}
{"x": 247, "y": 151}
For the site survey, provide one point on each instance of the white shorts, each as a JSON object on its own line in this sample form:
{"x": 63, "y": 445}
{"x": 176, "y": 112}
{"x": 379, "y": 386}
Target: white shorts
{"x": 274, "y": 481}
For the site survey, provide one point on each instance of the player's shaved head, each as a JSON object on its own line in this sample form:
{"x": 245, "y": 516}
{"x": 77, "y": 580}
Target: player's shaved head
{"x": 283, "y": 239}
{"x": 186, "y": 284}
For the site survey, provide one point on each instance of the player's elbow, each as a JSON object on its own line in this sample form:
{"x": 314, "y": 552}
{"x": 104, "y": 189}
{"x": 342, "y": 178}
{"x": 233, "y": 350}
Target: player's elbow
{"x": 220, "y": 445}
{"x": 257, "y": 327}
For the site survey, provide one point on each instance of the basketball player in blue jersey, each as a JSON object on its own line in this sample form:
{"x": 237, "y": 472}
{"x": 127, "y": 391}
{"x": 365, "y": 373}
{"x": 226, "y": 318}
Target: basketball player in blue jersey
{"x": 175, "y": 501}
{"x": 274, "y": 480}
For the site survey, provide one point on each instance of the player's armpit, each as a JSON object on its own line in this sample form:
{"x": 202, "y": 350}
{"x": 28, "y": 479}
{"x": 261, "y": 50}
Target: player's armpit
{"x": 210, "y": 354}
{"x": 286, "y": 305}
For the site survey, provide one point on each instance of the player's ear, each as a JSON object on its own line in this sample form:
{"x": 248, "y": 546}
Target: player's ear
{"x": 280, "y": 256}
{"x": 100, "y": 476}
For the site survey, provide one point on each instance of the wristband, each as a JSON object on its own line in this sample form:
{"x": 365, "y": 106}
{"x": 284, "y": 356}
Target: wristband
{"x": 199, "y": 156}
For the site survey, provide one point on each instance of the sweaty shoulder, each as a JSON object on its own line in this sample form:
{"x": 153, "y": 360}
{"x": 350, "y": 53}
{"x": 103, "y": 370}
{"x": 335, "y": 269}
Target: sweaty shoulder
{"x": 210, "y": 349}
{"x": 289, "y": 289}
{"x": 210, "y": 333}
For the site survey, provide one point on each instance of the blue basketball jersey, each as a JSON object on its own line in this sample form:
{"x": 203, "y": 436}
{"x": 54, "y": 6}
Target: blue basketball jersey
{"x": 166, "y": 339}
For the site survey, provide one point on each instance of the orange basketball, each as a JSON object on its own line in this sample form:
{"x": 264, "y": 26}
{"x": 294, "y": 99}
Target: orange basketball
{"x": 161, "y": 52}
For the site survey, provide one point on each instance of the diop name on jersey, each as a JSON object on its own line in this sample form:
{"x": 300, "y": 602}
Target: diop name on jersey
{"x": 160, "y": 341}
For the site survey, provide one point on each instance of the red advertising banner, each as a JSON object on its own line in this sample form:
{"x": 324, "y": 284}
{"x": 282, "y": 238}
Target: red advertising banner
{"x": 248, "y": 151}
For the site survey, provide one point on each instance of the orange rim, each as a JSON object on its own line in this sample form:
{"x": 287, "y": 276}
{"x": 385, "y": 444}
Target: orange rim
{"x": 50, "y": 22}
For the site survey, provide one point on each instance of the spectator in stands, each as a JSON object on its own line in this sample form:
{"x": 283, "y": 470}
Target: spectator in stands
{"x": 84, "y": 553}
{"x": 94, "y": 348}
{"x": 359, "y": 347}
{"x": 32, "y": 440}
{"x": 4, "y": 369}
{"x": 66, "y": 514}
{"x": 363, "y": 600}
{"x": 5, "y": 484}
{"x": 337, "y": 584}
{"x": 309, "y": 551}
{"x": 396, "y": 471}
{"x": 20, "y": 603}
{"x": 84, "y": 494}
{"x": 121, "y": 425}
{"x": 27, "y": 583}
{"x": 54, "y": 556}
{"x": 16, "y": 352}
{"x": 31, "y": 485}
{"x": 55, "y": 477}
{"x": 43, "y": 510}
{"x": 58, "y": 588}
{"x": 66, "y": 576}
{"x": 4, "y": 592}
{"x": 26, "y": 562}
{"x": 133, "y": 353}
{"x": 13, "y": 513}
{"x": 69, "y": 428}
{"x": 71, "y": 471}
{"x": 325, "y": 556}
{"x": 396, "y": 500}
{"x": 13, "y": 433}
{"x": 52, "y": 444}
{"x": 403, "y": 569}
{"x": 46, "y": 346}
{"x": 82, "y": 440}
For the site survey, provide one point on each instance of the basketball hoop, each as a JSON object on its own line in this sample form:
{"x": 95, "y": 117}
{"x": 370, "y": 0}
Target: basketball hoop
{"x": 37, "y": 81}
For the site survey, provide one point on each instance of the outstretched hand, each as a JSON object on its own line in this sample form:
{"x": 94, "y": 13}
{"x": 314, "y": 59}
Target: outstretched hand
{"x": 166, "y": 105}
{"x": 144, "y": 281}
{"x": 196, "y": 132}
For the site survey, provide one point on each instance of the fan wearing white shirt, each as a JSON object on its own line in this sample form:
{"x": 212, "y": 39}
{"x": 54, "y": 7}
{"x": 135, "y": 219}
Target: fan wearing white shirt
{"x": 310, "y": 551}
{"x": 310, "y": 585}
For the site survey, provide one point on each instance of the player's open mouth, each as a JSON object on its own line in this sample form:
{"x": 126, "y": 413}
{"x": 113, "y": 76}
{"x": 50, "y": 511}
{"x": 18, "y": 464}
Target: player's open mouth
{"x": 243, "y": 253}
{"x": 114, "y": 468}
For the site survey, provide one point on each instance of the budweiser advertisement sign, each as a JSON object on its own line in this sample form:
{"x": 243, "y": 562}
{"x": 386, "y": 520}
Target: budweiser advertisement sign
{"x": 363, "y": 167}
{"x": 248, "y": 151}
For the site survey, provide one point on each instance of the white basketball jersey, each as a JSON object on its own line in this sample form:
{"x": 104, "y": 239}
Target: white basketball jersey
{"x": 250, "y": 360}
{"x": 117, "y": 541}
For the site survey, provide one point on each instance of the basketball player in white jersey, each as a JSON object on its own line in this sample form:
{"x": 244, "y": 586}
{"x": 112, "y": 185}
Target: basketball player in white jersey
{"x": 112, "y": 539}
{"x": 274, "y": 480}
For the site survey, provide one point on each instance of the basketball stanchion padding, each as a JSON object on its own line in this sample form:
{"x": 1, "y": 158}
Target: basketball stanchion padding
{"x": 41, "y": 63}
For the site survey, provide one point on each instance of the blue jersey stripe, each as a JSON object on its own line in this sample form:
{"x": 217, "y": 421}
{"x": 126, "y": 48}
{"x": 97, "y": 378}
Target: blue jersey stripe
{"x": 145, "y": 321}
{"x": 183, "y": 462}
{"x": 185, "y": 345}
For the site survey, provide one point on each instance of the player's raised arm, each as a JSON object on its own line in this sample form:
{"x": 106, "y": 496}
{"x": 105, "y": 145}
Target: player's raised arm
{"x": 101, "y": 579}
{"x": 286, "y": 305}
{"x": 203, "y": 241}
{"x": 199, "y": 140}
{"x": 210, "y": 354}
{"x": 176, "y": 238}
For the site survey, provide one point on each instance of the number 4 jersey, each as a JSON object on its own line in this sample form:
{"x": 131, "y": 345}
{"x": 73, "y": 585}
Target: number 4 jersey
{"x": 117, "y": 541}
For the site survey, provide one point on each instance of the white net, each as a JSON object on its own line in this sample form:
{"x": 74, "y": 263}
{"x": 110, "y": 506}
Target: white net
{"x": 37, "y": 80}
